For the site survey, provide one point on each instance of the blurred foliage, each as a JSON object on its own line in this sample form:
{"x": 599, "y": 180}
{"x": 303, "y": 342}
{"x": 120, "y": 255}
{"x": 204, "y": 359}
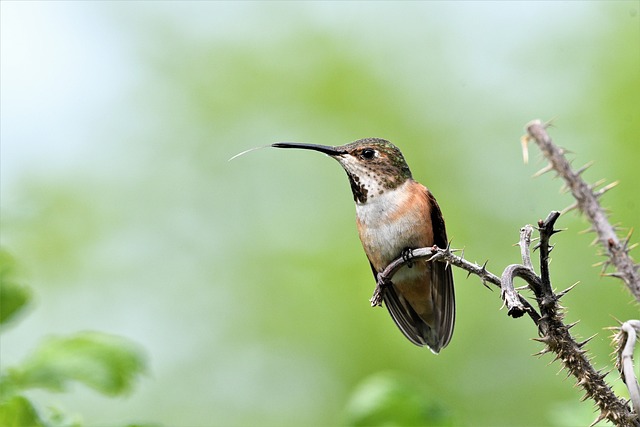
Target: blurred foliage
{"x": 55, "y": 223}
{"x": 107, "y": 363}
{"x": 246, "y": 280}
{"x": 17, "y": 411}
{"x": 387, "y": 399}
{"x": 14, "y": 297}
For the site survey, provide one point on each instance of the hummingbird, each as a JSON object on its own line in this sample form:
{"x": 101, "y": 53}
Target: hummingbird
{"x": 395, "y": 214}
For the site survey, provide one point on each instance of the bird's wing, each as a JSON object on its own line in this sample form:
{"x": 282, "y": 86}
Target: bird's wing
{"x": 408, "y": 321}
{"x": 442, "y": 291}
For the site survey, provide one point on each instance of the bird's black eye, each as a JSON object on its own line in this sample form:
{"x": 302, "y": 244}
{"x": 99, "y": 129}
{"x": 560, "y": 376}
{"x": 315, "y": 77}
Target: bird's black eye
{"x": 368, "y": 153}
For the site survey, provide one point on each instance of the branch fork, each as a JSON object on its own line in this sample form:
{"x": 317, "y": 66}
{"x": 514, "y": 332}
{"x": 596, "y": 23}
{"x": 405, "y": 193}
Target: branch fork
{"x": 587, "y": 201}
{"x": 553, "y": 333}
{"x": 548, "y": 316}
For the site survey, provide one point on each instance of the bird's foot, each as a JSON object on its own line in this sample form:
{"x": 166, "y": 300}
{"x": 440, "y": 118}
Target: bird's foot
{"x": 407, "y": 255}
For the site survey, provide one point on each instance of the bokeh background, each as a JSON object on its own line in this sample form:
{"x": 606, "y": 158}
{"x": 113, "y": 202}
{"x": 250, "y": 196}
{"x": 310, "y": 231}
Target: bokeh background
{"x": 244, "y": 281}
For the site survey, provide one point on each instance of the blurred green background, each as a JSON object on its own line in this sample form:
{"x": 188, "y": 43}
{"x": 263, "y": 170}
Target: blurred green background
{"x": 245, "y": 281}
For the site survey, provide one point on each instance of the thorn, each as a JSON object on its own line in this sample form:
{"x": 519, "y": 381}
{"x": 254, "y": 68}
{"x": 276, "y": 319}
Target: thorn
{"x": 566, "y": 291}
{"x": 617, "y": 226}
{"x": 571, "y": 325}
{"x": 603, "y": 376}
{"x": 606, "y": 188}
{"x": 588, "y": 230}
{"x": 601, "y": 417}
{"x": 566, "y": 151}
{"x": 524, "y": 141}
{"x": 548, "y": 123}
{"x": 543, "y": 340}
{"x": 615, "y": 274}
{"x": 582, "y": 344}
{"x": 542, "y": 171}
{"x": 597, "y": 184}
{"x": 569, "y": 208}
{"x": 542, "y": 352}
{"x": 585, "y": 167}
{"x": 568, "y": 374}
{"x": 617, "y": 320}
{"x": 581, "y": 382}
{"x": 564, "y": 189}
{"x": 605, "y": 265}
{"x": 627, "y": 240}
{"x": 484, "y": 267}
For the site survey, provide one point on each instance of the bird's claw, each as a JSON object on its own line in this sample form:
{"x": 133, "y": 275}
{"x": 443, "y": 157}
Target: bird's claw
{"x": 407, "y": 255}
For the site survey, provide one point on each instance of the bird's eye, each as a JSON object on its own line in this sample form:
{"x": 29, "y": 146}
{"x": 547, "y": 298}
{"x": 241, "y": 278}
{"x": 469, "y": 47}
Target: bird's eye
{"x": 368, "y": 153}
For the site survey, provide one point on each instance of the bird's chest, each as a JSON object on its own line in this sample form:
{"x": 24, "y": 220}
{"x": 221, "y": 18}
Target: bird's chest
{"x": 394, "y": 221}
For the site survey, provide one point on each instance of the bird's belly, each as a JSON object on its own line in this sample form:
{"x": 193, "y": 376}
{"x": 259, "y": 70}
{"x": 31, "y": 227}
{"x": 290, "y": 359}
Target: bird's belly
{"x": 396, "y": 220}
{"x": 385, "y": 242}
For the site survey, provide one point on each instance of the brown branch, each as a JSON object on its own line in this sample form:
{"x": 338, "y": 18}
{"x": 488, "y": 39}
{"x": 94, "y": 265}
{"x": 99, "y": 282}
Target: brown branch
{"x": 517, "y": 305}
{"x": 553, "y": 332}
{"x": 557, "y": 338}
{"x": 524, "y": 243}
{"x": 587, "y": 202}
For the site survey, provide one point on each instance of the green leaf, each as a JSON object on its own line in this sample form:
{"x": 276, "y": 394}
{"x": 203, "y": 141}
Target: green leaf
{"x": 107, "y": 363}
{"x": 388, "y": 400}
{"x": 58, "y": 418}
{"x": 18, "y": 412}
{"x": 13, "y": 296}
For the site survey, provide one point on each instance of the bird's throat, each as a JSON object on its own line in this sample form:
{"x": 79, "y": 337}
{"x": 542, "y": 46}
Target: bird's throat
{"x": 358, "y": 188}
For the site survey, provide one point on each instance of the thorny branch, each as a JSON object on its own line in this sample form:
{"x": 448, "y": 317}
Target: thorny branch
{"x": 615, "y": 249}
{"x": 554, "y": 334}
{"x": 557, "y": 339}
{"x": 587, "y": 201}
{"x": 517, "y": 305}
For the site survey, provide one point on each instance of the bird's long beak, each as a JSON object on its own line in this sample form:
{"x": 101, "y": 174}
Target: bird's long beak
{"x": 326, "y": 149}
